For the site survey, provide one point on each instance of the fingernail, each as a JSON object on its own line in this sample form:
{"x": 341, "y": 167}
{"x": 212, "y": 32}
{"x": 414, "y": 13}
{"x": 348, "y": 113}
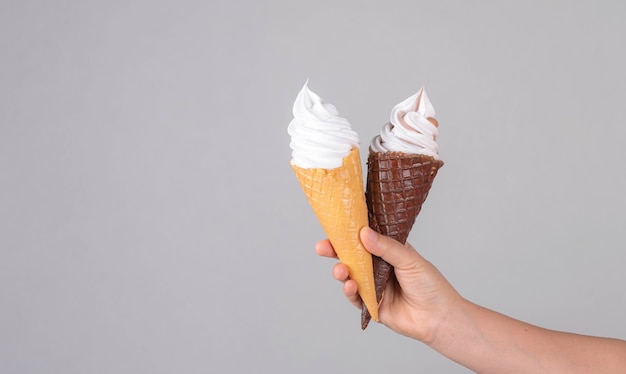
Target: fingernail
{"x": 370, "y": 234}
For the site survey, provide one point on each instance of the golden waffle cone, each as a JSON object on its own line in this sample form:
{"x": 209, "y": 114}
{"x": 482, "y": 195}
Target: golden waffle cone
{"x": 338, "y": 200}
{"x": 397, "y": 186}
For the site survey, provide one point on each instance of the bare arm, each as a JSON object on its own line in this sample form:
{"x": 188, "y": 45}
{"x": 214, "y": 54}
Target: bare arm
{"x": 489, "y": 342}
{"x": 422, "y": 304}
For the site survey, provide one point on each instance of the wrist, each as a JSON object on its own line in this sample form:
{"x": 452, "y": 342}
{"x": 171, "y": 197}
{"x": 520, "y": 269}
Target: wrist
{"x": 443, "y": 330}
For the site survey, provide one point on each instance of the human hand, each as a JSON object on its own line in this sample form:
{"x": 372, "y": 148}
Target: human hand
{"x": 415, "y": 301}
{"x": 420, "y": 303}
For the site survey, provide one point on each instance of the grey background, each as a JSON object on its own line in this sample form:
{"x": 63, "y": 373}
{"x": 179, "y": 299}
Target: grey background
{"x": 150, "y": 222}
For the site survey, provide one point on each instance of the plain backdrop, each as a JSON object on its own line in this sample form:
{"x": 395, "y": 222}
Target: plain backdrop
{"x": 150, "y": 221}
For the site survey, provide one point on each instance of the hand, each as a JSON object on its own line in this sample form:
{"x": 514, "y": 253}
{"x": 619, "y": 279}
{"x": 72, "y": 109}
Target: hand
{"x": 420, "y": 303}
{"x": 416, "y": 299}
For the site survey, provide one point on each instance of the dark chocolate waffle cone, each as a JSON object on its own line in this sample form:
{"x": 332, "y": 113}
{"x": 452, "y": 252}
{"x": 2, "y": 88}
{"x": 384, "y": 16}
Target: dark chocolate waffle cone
{"x": 397, "y": 186}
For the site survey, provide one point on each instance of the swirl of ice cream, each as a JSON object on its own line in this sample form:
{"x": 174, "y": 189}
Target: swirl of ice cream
{"x": 411, "y": 128}
{"x": 319, "y": 137}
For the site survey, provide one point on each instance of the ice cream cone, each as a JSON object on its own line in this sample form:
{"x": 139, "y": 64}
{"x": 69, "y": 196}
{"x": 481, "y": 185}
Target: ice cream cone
{"x": 397, "y": 186}
{"x": 338, "y": 200}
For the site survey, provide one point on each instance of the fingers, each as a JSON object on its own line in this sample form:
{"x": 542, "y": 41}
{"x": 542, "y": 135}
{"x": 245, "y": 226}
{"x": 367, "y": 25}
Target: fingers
{"x": 325, "y": 249}
{"x": 398, "y": 255}
{"x": 350, "y": 290}
{"x": 340, "y": 273}
{"x": 351, "y": 293}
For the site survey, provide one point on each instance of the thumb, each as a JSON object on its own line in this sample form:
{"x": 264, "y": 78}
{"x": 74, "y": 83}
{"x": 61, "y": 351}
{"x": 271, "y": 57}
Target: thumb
{"x": 398, "y": 255}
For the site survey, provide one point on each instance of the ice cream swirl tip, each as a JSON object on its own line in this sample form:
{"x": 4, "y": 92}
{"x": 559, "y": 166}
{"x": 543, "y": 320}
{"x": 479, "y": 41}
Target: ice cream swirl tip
{"x": 412, "y": 128}
{"x": 320, "y": 138}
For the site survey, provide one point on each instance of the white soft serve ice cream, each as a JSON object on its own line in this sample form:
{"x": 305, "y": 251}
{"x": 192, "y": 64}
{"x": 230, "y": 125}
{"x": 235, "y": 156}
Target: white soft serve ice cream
{"x": 409, "y": 130}
{"x": 319, "y": 137}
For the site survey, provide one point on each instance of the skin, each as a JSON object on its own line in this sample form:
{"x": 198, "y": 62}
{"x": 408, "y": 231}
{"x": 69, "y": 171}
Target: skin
{"x": 421, "y": 304}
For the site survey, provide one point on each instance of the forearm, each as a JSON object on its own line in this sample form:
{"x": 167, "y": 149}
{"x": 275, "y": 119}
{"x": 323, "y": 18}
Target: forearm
{"x": 489, "y": 342}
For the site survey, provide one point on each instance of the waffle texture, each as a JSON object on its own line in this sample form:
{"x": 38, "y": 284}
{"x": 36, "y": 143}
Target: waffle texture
{"x": 338, "y": 200}
{"x": 397, "y": 186}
